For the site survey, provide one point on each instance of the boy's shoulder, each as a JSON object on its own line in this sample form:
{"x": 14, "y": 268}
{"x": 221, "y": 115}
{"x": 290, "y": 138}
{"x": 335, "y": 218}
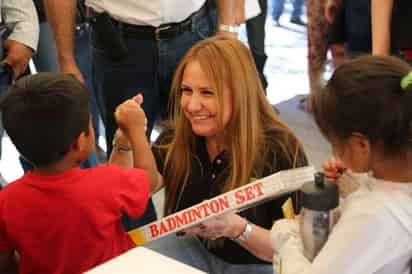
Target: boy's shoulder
{"x": 32, "y": 178}
{"x": 113, "y": 171}
{"x": 14, "y": 185}
{"x": 13, "y": 188}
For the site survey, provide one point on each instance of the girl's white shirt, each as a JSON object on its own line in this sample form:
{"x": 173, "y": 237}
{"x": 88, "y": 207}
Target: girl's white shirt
{"x": 373, "y": 234}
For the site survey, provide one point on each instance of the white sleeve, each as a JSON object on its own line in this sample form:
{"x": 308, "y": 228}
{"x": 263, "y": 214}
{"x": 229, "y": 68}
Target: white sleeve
{"x": 358, "y": 244}
{"x": 292, "y": 259}
{"x": 22, "y": 15}
{"x": 252, "y": 9}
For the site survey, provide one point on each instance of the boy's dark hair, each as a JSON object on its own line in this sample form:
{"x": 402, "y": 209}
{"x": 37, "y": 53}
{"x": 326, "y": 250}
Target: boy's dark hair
{"x": 365, "y": 96}
{"x": 43, "y": 115}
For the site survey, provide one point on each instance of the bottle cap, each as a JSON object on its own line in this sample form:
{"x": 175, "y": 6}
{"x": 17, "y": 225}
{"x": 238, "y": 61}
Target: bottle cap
{"x": 319, "y": 195}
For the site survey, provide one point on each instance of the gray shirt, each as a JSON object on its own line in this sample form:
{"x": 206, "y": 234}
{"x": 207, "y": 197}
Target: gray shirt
{"x": 22, "y": 16}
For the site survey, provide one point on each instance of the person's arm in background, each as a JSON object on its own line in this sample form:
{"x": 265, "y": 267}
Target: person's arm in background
{"x": 22, "y": 41}
{"x": 61, "y": 15}
{"x": 230, "y": 13}
{"x": 381, "y": 14}
{"x": 331, "y": 8}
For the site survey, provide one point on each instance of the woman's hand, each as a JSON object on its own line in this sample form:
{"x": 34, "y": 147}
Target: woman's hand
{"x": 229, "y": 225}
{"x": 330, "y": 10}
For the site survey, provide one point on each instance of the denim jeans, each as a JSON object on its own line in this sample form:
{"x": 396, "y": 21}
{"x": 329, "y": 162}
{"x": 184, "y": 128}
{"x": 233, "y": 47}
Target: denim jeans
{"x": 189, "y": 250}
{"x": 46, "y": 60}
{"x": 148, "y": 69}
{"x": 84, "y": 61}
{"x": 255, "y": 28}
{"x": 278, "y": 9}
{"x": 46, "y": 57}
{"x": 5, "y": 79}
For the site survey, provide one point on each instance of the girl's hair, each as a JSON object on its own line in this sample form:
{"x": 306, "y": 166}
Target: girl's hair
{"x": 246, "y": 138}
{"x": 365, "y": 96}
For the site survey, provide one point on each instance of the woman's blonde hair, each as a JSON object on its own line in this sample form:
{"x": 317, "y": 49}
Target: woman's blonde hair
{"x": 246, "y": 138}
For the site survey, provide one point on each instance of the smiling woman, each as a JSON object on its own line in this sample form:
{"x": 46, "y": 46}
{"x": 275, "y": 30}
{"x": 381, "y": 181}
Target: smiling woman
{"x": 199, "y": 103}
{"x": 222, "y": 134}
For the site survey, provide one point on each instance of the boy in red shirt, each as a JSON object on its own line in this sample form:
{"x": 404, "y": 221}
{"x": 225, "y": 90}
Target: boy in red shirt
{"x": 60, "y": 218}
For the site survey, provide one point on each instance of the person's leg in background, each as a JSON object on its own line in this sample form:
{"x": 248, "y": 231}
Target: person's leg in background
{"x": 277, "y": 9}
{"x": 83, "y": 60}
{"x": 171, "y": 51}
{"x": 317, "y": 47}
{"x": 255, "y": 28}
{"x": 297, "y": 12}
{"x": 148, "y": 69}
{"x": 191, "y": 251}
{"x": 3, "y": 181}
{"x": 5, "y": 80}
{"x": 185, "y": 249}
{"x": 317, "y": 42}
{"x": 46, "y": 60}
{"x": 117, "y": 80}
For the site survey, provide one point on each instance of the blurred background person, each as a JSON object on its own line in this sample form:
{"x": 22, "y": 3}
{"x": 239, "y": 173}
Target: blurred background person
{"x": 278, "y": 6}
{"x": 19, "y": 30}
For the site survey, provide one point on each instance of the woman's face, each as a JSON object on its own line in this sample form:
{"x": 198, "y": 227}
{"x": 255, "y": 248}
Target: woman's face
{"x": 200, "y": 103}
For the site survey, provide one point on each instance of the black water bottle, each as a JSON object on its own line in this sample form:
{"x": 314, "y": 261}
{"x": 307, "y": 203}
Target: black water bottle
{"x": 319, "y": 200}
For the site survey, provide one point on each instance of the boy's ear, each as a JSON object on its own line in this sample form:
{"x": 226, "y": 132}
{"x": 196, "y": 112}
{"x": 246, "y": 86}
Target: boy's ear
{"x": 80, "y": 143}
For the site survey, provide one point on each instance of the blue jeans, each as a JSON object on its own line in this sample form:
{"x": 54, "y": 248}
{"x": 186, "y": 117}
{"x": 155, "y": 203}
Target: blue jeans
{"x": 278, "y": 9}
{"x": 148, "y": 69}
{"x": 46, "y": 57}
{"x": 255, "y": 28}
{"x": 189, "y": 250}
{"x": 46, "y": 60}
{"x": 5, "y": 80}
{"x": 84, "y": 61}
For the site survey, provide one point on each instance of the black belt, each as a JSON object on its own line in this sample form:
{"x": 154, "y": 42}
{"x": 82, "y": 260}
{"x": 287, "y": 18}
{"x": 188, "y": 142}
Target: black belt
{"x": 163, "y": 32}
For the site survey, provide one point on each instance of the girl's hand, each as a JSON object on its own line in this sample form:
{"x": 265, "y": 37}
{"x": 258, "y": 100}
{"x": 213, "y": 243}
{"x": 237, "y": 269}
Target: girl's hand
{"x": 333, "y": 169}
{"x": 347, "y": 184}
{"x": 282, "y": 230}
{"x": 336, "y": 171}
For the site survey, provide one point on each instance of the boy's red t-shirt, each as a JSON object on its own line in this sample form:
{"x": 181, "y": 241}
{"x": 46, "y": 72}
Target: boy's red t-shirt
{"x": 70, "y": 222}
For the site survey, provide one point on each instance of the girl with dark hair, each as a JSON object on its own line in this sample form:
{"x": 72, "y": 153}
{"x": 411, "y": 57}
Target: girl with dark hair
{"x": 365, "y": 113}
